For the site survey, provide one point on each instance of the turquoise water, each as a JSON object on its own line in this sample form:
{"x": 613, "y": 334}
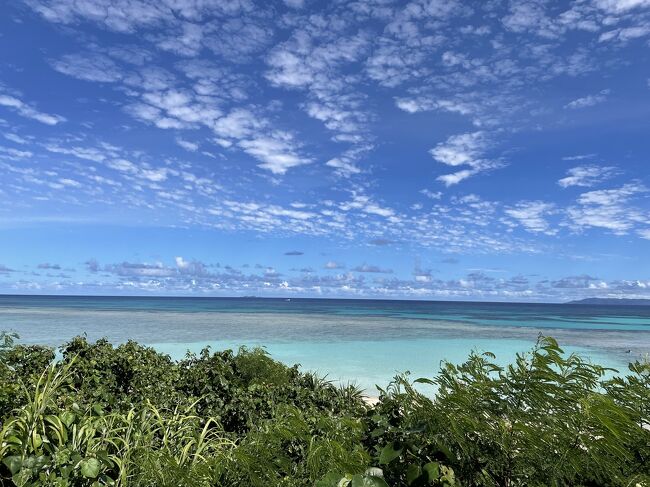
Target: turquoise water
{"x": 366, "y": 342}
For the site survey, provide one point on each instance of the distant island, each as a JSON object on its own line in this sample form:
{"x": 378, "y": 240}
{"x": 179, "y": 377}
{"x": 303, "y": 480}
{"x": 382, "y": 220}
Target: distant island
{"x": 610, "y": 301}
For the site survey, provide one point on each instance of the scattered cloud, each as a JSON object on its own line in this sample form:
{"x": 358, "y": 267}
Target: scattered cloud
{"x": 586, "y": 176}
{"x": 578, "y": 157}
{"x": 89, "y": 67}
{"x": 433, "y": 195}
{"x": 588, "y": 101}
{"x": 464, "y": 150}
{"x": 92, "y": 265}
{"x": 372, "y": 268}
{"x": 621, "y": 6}
{"x": 307, "y": 119}
{"x": 187, "y": 145}
{"x": 532, "y": 216}
{"x": 28, "y": 111}
{"x": 610, "y": 209}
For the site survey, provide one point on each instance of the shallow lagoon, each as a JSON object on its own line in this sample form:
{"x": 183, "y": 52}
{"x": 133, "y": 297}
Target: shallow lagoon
{"x": 366, "y": 342}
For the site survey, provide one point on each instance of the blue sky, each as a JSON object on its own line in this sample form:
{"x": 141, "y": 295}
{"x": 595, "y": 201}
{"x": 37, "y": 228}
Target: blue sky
{"x": 432, "y": 149}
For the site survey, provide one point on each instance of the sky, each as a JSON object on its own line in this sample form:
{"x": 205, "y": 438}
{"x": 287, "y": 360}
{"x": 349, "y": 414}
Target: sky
{"x": 431, "y": 149}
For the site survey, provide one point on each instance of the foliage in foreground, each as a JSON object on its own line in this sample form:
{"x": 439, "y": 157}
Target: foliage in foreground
{"x": 129, "y": 416}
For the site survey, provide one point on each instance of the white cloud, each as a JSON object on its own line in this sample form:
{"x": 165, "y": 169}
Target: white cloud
{"x": 392, "y": 63}
{"x": 625, "y": 34}
{"x": 463, "y": 150}
{"x": 70, "y": 182}
{"x": 606, "y": 197}
{"x": 167, "y": 106}
{"x": 578, "y": 157}
{"x": 14, "y": 154}
{"x": 25, "y": 110}
{"x": 456, "y": 177}
{"x": 277, "y": 150}
{"x": 344, "y": 166}
{"x": 620, "y": 6}
{"x": 15, "y": 138}
{"x": 434, "y": 195}
{"x": 378, "y": 210}
{"x": 122, "y": 165}
{"x": 186, "y": 40}
{"x": 316, "y": 60}
{"x": 346, "y": 163}
{"x": 609, "y": 209}
{"x": 588, "y": 101}
{"x": 459, "y": 150}
{"x": 87, "y": 153}
{"x": 237, "y": 124}
{"x": 364, "y": 204}
{"x": 187, "y": 145}
{"x": 129, "y": 15}
{"x": 531, "y": 215}
{"x": 155, "y": 175}
{"x": 181, "y": 263}
{"x": 89, "y": 67}
{"x": 586, "y": 176}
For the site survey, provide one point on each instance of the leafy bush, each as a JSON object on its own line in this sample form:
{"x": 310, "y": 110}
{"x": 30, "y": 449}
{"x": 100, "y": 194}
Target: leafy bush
{"x": 547, "y": 419}
{"x": 130, "y": 416}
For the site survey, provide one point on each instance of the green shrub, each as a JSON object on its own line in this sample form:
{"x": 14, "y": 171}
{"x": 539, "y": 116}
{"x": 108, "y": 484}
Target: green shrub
{"x": 130, "y": 416}
{"x": 547, "y": 419}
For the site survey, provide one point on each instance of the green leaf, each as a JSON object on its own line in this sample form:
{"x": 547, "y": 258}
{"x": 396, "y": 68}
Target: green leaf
{"x": 389, "y": 453}
{"x": 90, "y": 467}
{"x": 13, "y": 440}
{"x": 13, "y": 463}
{"x": 368, "y": 481}
{"x": 37, "y": 440}
{"x": 332, "y": 479}
{"x": 432, "y": 470}
{"x": 413, "y": 472}
{"x": 67, "y": 418}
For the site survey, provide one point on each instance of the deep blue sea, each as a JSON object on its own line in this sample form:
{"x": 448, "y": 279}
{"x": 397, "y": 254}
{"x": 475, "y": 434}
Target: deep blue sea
{"x": 362, "y": 341}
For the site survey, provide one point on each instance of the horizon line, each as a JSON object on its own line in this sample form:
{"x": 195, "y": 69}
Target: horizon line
{"x": 285, "y": 298}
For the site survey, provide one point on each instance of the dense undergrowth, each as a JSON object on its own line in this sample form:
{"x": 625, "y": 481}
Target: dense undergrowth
{"x": 129, "y": 416}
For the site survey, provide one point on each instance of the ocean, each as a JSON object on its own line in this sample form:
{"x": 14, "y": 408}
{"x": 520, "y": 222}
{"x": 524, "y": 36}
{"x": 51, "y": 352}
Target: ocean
{"x": 366, "y": 342}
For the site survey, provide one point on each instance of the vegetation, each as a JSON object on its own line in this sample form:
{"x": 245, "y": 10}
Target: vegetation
{"x": 130, "y": 416}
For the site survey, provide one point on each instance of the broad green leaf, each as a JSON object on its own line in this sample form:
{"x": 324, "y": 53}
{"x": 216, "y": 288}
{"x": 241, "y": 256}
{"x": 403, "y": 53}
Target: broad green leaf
{"x": 433, "y": 470}
{"x": 13, "y": 463}
{"x": 413, "y": 472}
{"x": 332, "y": 479}
{"x": 68, "y": 418}
{"x": 389, "y": 453}
{"x": 368, "y": 481}
{"x": 37, "y": 440}
{"x": 90, "y": 467}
